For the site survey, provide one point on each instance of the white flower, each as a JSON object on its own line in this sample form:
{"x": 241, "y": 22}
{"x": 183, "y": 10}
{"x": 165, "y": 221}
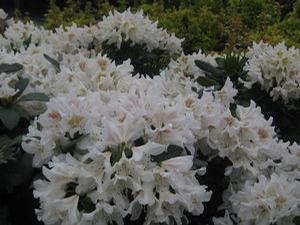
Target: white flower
{"x": 182, "y": 164}
{"x": 3, "y": 15}
{"x": 268, "y": 200}
{"x": 7, "y": 88}
{"x": 117, "y": 28}
{"x": 276, "y": 69}
{"x": 184, "y": 68}
{"x": 227, "y": 93}
{"x": 226, "y": 220}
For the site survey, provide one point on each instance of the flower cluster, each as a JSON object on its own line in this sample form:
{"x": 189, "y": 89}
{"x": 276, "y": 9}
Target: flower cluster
{"x": 117, "y": 28}
{"x": 120, "y": 137}
{"x": 3, "y": 15}
{"x": 276, "y": 69}
{"x": 269, "y": 200}
{"x": 185, "y": 70}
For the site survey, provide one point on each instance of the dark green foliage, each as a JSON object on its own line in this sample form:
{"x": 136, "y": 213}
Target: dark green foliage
{"x": 53, "y": 62}
{"x": 287, "y": 31}
{"x": 21, "y": 85}
{"x": 16, "y": 172}
{"x": 85, "y": 204}
{"x": 116, "y": 155}
{"x": 230, "y": 65}
{"x": 171, "y": 152}
{"x": 286, "y": 7}
{"x": 144, "y": 62}
{"x": 74, "y": 11}
{"x": 70, "y": 189}
{"x": 9, "y": 117}
{"x": 36, "y": 96}
{"x": 199, "y": 163}
{"x": 10, "y": 68}
{"x": 256, "y": 12}
{"x": 200, "y": 27}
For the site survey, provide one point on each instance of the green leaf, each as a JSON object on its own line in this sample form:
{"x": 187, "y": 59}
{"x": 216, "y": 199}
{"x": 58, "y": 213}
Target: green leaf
{"x": 197, "y": 163}
{"x": 21, "y": 86}
{"x": 232, "y": 108}
{"x": 36, "y": 96}
{"x": 17, "y": 172}
{"x": 10, "y": 117}
{"x": 209, "y": 69}
{"x": 172, "y": 151}
{"x": 206, "y": 82}
{"x": 10, "y": 68}
{"x": 53, "y": 62}
{"x": 244, "y": 102}
{"x": 128, "y": 152}
{"x": 17, "y": 140}
{"x": 116, "y": 156}
{"x": 70, "y": 189}
{"x": 27, "y": 41}
{"x": 85, "y": 204}
{"x": 232, "y": 64}
{"x": 220, "y": 61}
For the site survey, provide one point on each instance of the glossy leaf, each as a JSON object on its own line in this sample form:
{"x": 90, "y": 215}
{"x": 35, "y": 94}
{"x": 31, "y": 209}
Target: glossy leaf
{"x": 197, "y": 163}
{"x": 209, "y": 68}
{"x": 21, "y": 85}
{"x": 36, "y": 96}
{"x": 10, "y": 117}
{"x": 10, "y": 68}
{"x": 53, "y": 62}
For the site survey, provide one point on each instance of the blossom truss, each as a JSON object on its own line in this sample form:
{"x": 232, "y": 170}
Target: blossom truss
{"x": 116, "y": 28}
{"x": 268, "y": 201}
{"x": 139, "y": 118}
{"x": 3, "y": 15}
{"x": 185, "y": 70}
{"x": 119, "y": 135}
{"x": 247, "y": 139}
{"x": 276, "y": 69}
{"x": 250, "y": 142}
{"x": 91, "y": 190}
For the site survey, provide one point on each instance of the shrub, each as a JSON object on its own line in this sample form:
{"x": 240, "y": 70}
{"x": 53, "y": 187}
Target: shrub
{"x": 287, "y": 31}
{"x": 200, "y": 28}
{"x": 113, "y": 146}
{"x": 256, "y": 12}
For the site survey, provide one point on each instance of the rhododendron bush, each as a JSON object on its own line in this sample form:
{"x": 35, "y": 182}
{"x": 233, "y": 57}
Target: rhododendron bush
{"x": 114, "y": 124}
